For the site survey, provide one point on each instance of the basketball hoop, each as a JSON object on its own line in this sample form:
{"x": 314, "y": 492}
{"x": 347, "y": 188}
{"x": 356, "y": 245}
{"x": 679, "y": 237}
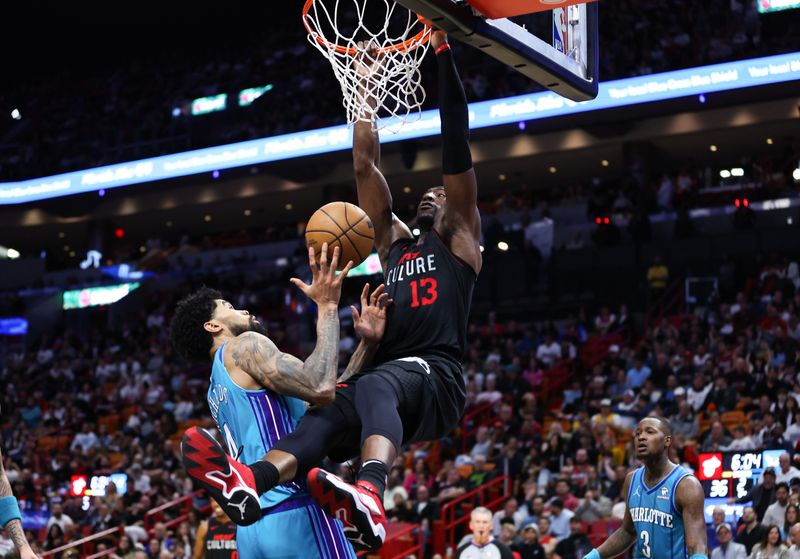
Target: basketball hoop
{"x": 386, "y": 74}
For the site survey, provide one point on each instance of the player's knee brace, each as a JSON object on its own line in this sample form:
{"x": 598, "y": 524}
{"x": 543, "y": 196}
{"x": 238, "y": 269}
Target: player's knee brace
{"x": 376, "y": 402}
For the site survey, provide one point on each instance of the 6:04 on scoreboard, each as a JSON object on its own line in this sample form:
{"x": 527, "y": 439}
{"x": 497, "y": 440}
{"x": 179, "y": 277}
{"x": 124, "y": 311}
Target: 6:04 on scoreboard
{"x": 733, "y": 474}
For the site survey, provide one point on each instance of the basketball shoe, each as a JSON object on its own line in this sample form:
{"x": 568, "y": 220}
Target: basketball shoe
{"x": 358, "y": 506}
{"x": 230, "y": 483}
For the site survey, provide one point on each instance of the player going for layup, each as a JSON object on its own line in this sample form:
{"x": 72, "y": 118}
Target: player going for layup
{"x": 415, "y": 389}
{"x": 664, "y": 513}
{"x": 256, "y": 397}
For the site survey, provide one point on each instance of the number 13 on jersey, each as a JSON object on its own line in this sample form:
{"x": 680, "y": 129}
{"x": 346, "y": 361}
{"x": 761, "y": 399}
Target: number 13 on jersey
{"x": 423, "y": 292}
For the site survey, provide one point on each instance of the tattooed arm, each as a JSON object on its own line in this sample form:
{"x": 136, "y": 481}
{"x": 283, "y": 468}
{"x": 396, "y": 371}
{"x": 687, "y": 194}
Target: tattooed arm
{"x": 690, "y": 499}
{"x": 624, "y": 536}
{"x": 14, "y": 527}
{"x": 313, "y": 380}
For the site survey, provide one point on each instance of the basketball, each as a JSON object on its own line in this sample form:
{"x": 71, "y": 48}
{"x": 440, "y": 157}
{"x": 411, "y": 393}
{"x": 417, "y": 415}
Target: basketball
{"x": 344, "y": 225}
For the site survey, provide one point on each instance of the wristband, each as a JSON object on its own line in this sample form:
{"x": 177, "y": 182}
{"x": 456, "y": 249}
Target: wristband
{"x": 9, "y": 510}
{"x": 698, "y": 556}
{"x": 442, "y": 48}
{"x": 593, "y": 554}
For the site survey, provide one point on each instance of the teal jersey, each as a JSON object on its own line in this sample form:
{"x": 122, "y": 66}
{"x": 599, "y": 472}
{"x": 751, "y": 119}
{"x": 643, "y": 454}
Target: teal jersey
{"x": 656, "y": 518}
{"x": 252, "y": 421}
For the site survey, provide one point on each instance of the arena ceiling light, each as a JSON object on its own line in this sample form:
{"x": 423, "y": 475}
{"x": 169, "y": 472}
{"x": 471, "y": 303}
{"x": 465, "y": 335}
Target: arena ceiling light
{"x": 613, "y": 94}
{"x": 16, "y": 115}
{"x": 9, "y": 253}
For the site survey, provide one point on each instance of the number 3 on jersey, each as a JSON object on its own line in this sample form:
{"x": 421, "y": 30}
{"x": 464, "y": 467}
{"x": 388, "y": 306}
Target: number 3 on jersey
{"x": 645, "y": 535}
{"x": 425, "y": 287}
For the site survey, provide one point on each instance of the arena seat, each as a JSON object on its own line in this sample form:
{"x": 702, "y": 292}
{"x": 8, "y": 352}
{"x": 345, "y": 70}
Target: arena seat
{"x": 732, "y": 419}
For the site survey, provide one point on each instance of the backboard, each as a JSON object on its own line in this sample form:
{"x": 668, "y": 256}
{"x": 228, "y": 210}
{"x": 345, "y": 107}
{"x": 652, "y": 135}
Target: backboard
{"x": 570, "y": 69}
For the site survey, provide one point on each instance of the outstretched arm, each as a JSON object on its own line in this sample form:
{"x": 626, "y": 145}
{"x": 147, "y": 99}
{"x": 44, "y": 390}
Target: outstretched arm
{"x": 370, "y": 325}
{"x": 623, "y": 537}
{"x": 313, "y": 380}
{"x": 13, "y": 526}
{"x": 374, "y": 196}
{"x": 462, "y": 219}
{"x": 690, "y": 499}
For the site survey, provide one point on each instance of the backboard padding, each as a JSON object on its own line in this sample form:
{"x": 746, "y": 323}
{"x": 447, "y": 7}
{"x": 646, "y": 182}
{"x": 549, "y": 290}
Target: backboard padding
{"x": 514, "y": 46}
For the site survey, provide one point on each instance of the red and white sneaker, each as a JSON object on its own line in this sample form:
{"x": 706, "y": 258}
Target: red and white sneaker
{"x": 229, "y": 482}
{"x": 358, "y": 506}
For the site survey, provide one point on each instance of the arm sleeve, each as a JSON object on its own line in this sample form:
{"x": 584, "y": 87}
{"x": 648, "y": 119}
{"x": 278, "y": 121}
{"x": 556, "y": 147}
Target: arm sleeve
{"x": 456, "y": 156}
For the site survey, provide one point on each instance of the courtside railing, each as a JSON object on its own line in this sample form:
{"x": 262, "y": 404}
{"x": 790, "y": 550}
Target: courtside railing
{"x": 474, "y": 420}
{"x": 456, "y": 513}
{"x": 181, "y": 505}
{"x": 673, "y": 301}
{"x": 402, "y": 540}
{"x": 88, "y": 543}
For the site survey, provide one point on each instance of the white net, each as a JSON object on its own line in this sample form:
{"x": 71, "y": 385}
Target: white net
{"x": 375, "y": 54}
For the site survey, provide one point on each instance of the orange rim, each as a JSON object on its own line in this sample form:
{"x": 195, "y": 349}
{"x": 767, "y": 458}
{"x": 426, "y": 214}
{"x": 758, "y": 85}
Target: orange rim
{"x": 404, "y": 46}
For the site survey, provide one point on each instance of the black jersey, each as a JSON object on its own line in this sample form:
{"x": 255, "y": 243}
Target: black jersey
{"x": 432, "y": 292}
{"x": 220, "y": 540}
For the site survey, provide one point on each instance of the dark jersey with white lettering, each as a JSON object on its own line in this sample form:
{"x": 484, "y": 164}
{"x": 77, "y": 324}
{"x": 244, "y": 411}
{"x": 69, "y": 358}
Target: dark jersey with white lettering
{"x": 220, "y": 540}
{"x": 432, "y": 292}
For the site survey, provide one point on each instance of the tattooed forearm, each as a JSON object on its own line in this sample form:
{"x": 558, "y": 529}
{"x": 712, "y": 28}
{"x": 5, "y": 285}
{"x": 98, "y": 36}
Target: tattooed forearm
{"x": 361, "y": 357}
{"x": 313, "y": 380}
{"x": 323, "y": 363}
{"x": 14, "y": 529}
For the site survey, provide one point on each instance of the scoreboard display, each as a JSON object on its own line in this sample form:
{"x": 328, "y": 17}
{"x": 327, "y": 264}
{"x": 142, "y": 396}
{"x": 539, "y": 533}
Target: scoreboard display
{"x": 733, "y": 474}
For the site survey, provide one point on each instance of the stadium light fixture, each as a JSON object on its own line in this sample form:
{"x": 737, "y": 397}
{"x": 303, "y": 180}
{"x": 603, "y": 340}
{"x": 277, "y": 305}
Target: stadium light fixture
{"x": 737, "y": 172}
{"x": 796, "y": 174}
{"x": 16, "y": 115}
{"x": 502, "y": 245}
{"x": 9, "y": 253}
{"x": 725, "y": 174}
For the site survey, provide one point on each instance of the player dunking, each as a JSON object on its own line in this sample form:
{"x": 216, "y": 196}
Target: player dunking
{"x": 414, "y": 390}
{"x": 664, "y": 512}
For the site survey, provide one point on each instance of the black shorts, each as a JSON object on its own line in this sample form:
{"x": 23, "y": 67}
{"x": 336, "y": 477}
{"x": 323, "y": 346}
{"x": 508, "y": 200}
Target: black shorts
{"x": 431, "y": 396}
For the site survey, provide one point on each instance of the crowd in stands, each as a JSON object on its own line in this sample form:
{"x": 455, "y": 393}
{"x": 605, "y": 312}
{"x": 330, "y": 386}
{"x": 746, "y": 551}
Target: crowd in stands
{"x": 141, "y": 107}
{"x": 106, "y": 399}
